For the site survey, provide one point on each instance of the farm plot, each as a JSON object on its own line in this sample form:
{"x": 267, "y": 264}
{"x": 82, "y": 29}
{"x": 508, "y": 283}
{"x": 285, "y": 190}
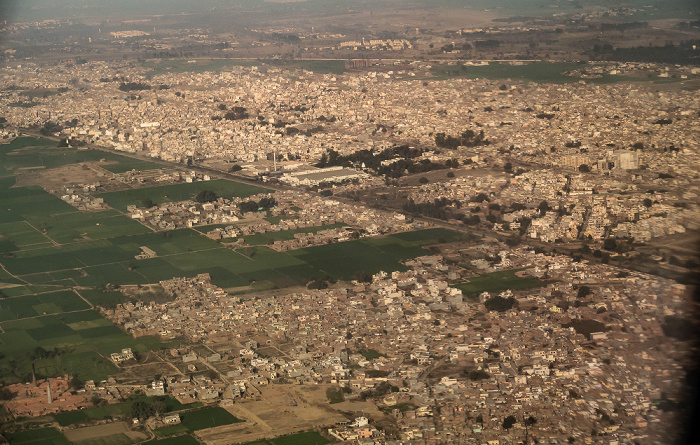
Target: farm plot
{"x": 199, "y": 420}
{"x": 179, "y": 192}
{"x": 39, "y": 436}
{"x": 29, "y": 153}
{"x": 40, "y": 304}
{"x": 498, "y": 282}
{"x": 71, "y": 342}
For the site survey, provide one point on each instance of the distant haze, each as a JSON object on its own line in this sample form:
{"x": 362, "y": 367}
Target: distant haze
{"x": 20, "y": 10}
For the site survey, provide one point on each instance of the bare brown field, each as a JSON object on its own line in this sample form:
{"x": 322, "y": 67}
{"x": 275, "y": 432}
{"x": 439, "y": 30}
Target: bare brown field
{"x": 280, "y": 410}
{"x": 55, "y": 178}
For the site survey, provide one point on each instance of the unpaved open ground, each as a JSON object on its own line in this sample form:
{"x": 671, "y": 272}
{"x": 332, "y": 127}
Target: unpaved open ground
{"x": 65, "y": 176}
{"x": 281, "y": 410}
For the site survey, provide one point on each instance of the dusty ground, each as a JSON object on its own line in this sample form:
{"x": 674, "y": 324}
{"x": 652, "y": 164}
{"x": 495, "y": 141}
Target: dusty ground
{"x": 68, "y": 175}
{"x": 284, "y": 409}
{"x": 110, "y": 429}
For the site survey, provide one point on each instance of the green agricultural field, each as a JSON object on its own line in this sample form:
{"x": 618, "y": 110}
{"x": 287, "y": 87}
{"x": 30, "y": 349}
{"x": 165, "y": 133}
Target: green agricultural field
{"x": 67, "y": 343}
{"x": 29, "y": 153}
{"x": 112, "y": 439}
{"x": 199, "y": 420}
{"x": 40, "y": 304}
{"x": 177, "y": 440}
{"x": 370, "y": 255}
{"x": 107, "y": 299}
{"x": 498, "y": 282}
{"x": 306, "y": 438}
{"x": 122, "y": 409}
{"x": 180, "y": 192}
{"x": 39, "y": 436}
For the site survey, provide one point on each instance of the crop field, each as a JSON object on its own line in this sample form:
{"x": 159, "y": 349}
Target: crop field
{"x": 199, "y": 420}
{"x": 498, "y": 282}
{"x": 40, "y": 436}
{"x": 112, "y": 439}
{"x": 29, "y": 153}
{"x": 116, "y": 410}
{"x": 69, "y": 342}
{"x": 305, "y": 438}
{"x": 40, "y": 304}
{"x": 56, "y": 348}
{"x": 371, "y": 255}
{"x": 179, "y": 192}
{"x": 177, "y": 440}
{"x": 187, "y": 253}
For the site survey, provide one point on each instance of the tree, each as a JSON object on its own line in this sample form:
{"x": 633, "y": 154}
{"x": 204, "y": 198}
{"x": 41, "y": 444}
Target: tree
{"x": 583, "y": 291}
{"x": 141, "y": 410}
{"x": 362, "y": 276}
{"x": 481, "y": 197}
{"x": 248, "y": 206}
{"x": 647, "y": 202}
{"x": 205, "y": 196}
{"x": 423, "y": 180}
{"x": 508, "y": 167}
{"x": 508, "y": 422}
{"x": 159, "y": 407}
{"x": 609, "y": 244}
{"x": 75, "y": 382}
{"x": 147, "y": 203}
{"x": 499, "y": 303}
{"x": 6, "y": 394}
{"x": 530, "y": 421}
{"x": 584, "y": 168}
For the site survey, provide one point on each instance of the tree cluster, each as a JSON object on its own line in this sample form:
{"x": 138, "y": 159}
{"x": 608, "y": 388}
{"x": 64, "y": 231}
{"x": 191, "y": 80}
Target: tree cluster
{"x": 499, "y": 303}
{"x": 134, "y": 86}
{"x": 254, "y": 206}
{"x": 205, "y": 196}
{"x": 143, "y": 409}
{"x": 236, "y": 113}
{"x": 380, "y": 390}
{"x": 468, "y": 138}
{"x": 440, "y": 208}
